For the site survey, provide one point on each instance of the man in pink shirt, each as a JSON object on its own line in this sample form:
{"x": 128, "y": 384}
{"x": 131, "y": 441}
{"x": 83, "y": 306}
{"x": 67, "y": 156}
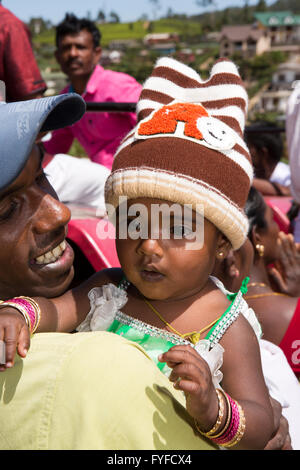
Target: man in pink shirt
{"x": 78, "y": 53}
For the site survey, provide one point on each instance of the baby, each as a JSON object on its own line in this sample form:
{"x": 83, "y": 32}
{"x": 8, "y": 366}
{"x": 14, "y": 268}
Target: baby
{"x": 177, "y": 189}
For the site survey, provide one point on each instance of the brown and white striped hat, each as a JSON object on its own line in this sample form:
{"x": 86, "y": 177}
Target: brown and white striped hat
{"x": 188, "y": 145}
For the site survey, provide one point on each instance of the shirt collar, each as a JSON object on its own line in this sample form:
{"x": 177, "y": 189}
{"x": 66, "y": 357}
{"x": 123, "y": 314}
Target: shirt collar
{"x": 92, "y": 83}
{"x": 91, "y": 87}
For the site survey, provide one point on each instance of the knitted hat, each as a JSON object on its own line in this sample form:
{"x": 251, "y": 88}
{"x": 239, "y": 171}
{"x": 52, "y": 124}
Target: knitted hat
{"x": 188, "y": 145}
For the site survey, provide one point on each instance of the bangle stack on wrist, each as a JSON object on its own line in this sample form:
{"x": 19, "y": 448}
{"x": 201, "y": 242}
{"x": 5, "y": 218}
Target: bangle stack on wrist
{"x": 232, "y": 432}
{"x": 28, "y": 307}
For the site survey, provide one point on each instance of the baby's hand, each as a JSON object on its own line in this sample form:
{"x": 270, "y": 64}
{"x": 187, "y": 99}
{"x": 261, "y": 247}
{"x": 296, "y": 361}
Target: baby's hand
{"x": 191, "y": 374}
{"x": 15, "y": 334}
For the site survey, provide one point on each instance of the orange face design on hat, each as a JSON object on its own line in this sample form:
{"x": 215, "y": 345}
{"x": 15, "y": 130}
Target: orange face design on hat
{"x": 164, "y": 121}
{"x": 198, "y": 125}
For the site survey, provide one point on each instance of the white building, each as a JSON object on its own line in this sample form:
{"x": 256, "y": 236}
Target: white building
{"x": 276, "y": 97}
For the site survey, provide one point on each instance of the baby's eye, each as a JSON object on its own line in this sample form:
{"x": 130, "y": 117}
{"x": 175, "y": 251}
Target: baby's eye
{"x": 181, "y": 231}
{"x": 136, "y": 229}
{"x": 133, "y": 225}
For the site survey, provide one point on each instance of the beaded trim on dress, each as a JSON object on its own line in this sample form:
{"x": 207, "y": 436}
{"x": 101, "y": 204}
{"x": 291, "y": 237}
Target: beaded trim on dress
{"x": 106, "y": 302}
{"x": 149, "y": 329}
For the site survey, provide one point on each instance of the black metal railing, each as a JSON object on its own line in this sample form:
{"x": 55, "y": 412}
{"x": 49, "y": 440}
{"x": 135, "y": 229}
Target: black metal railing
{"x": 113, "y": 107}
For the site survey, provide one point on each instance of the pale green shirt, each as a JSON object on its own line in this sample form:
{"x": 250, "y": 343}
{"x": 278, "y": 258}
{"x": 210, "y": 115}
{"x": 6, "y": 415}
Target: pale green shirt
{"x": 91, "y": 390}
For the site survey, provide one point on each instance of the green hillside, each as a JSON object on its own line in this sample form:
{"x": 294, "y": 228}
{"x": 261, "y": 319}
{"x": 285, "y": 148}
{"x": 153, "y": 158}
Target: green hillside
{"x": 135, "y": 31}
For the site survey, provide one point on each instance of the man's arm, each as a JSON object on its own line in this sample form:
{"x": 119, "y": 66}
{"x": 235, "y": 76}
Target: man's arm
{"x": 60, "y": 142}
{"x": 269, "y": 188}
{"x": 22, "y": 76}
{"x": 130, "y": 92}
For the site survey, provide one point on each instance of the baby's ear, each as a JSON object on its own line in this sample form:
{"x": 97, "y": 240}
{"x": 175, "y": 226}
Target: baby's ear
{"x": 223, "y": 247}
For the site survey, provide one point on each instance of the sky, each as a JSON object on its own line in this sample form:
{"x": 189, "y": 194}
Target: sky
{"x": 128, "y": 10}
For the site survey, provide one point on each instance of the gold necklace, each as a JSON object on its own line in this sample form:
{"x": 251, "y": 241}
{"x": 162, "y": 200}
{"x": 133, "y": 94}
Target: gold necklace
{"x": 257, "y": 284}
{"x": 194, "y": 336}
{"x": 267, "y": 294}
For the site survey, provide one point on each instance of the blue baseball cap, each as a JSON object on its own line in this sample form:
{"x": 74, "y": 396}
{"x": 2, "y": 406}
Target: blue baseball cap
{"x": 21, "y": 122}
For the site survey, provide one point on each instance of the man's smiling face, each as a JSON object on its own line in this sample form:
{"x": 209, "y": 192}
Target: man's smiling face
{"x": 34, "y": 257}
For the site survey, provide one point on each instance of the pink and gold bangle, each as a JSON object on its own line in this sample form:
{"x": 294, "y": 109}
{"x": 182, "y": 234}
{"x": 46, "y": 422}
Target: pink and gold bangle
{"x": 28, "y": 307}
{"x": 20, "y": 309}
{"x": 216, "y": 426}
{"x": 241, "y": 429}
{"x": 233, "y": 426}
{"x": 236, "y": 428}
{"x": 37, "y": 311}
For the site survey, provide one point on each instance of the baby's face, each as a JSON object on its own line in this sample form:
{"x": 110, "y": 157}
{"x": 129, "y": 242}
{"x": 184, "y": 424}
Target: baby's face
{"x": 166, "y": 251}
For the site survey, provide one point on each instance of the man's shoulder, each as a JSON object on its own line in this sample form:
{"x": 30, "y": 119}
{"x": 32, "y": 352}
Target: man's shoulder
{"x": 113, "y": 75}
{"x": 65, "y": 89}
{"x": 8, "y": 19}
{"x": 110, "y": 85}
{"x": 281, "y": 174}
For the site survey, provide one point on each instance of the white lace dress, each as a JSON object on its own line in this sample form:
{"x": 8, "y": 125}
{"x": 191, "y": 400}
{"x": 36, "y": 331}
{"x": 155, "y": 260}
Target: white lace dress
{"x": 106, "y": 315}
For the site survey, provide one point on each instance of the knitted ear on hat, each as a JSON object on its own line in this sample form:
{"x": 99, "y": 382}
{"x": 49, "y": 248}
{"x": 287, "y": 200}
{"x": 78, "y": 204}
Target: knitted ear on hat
{"x": 188, "y": 145}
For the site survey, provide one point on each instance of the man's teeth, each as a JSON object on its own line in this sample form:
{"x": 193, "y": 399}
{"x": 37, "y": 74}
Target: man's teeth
{"x": 52, "y": 256}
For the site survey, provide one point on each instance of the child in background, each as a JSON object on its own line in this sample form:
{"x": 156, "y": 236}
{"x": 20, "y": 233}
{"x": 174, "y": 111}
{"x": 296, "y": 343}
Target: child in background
{"x": 187, "y": 150}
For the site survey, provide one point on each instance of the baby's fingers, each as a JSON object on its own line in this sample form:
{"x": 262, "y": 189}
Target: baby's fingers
{"x": 24, "y": 341}
{"x": 11, "y": 337}
{"x": 187, "y": 377}
{"x": 179, "y": 354}
{"x": 2, "y": 354}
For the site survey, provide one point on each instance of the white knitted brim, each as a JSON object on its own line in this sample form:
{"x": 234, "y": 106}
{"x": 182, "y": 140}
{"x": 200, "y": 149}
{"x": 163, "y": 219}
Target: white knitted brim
{"x": 159, "y": 184}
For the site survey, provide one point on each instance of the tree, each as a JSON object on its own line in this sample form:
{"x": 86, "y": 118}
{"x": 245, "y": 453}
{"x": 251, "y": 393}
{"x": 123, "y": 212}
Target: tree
{"x": 261, "y": 5}
{"x": 170, "y": 13}
{"x": 206, "y": 3}
{"x": 150, "y": 27}
{"x": 101, "y": 16}
{"x": 246, "y": 12}
{"x": 225, "y": 18}
{"x": 37, "y": 25}
{"x": 156, "y": 7}
{"x": 114, "y": 17}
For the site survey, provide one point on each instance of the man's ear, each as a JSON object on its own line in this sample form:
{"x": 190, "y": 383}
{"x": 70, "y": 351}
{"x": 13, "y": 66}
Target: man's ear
{"x": 97, "y": 54}
{"x": 264, "y": 153}
{"x": 57, "y": 56}
{"x": 268, "y": 162}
